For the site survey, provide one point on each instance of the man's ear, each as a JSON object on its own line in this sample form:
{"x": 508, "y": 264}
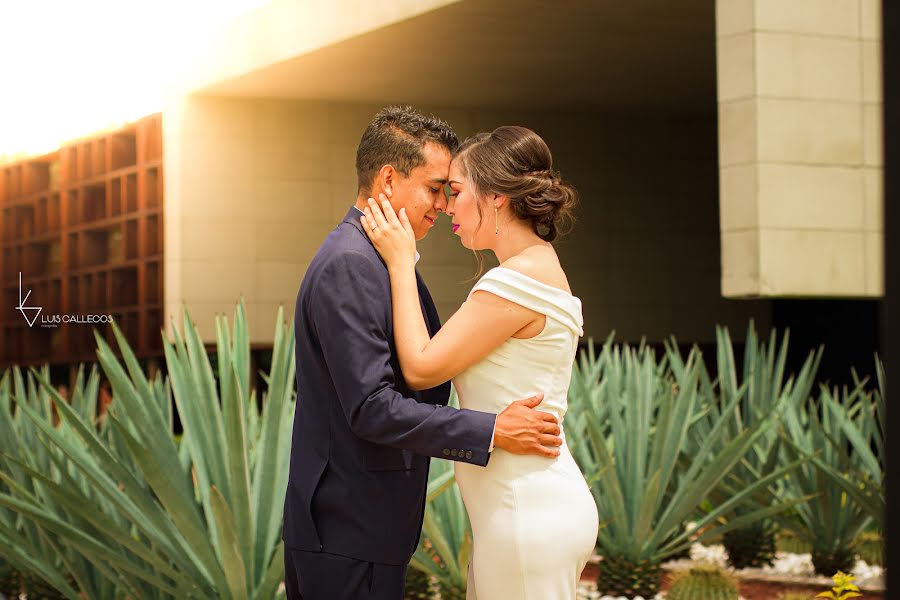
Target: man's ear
{"x": 387, "y": 176}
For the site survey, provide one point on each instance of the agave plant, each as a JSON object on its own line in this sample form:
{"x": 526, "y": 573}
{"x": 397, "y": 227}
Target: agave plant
{"x": 641, "y": 489}
{"x": 587, "y": 408}
{"x": 445, "y": 545}
{"x": 834, "y": 433}
{"x": 197, "y": 518}
{"x": 761, "y": 384}
{"x": 32, "y": 557}
{"x": 863, "y": 425}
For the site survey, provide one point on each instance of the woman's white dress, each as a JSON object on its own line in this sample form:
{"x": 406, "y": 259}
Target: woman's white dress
{"x": 534, "y": 521}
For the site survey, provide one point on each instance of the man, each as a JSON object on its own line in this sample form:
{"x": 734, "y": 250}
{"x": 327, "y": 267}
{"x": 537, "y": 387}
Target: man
{"x": 362, "y": 439}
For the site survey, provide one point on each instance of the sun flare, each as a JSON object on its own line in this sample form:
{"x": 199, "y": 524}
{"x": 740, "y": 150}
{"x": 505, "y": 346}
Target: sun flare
{"x": 74, "y": 68}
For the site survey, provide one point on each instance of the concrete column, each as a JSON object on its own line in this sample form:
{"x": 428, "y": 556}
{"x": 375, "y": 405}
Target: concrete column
{"x": 800, "y": 150}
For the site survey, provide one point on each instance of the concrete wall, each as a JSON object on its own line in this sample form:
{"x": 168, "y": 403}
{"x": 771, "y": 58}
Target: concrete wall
{"x": 800, "y": 122}
{"x": 254, "y": 185}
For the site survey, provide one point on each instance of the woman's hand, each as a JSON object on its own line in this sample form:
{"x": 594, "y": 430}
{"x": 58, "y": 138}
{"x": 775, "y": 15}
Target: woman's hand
{"x": 392, "y": 235}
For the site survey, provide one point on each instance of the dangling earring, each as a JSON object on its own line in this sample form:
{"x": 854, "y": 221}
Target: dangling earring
{"x": 496, "y": 221}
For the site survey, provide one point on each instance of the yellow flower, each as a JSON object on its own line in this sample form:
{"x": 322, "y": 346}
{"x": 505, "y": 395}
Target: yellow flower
{"x": 844, "y": 588}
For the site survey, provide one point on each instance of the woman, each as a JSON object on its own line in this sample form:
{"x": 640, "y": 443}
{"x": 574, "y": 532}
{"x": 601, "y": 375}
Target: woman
{"x": 534, "y": 521}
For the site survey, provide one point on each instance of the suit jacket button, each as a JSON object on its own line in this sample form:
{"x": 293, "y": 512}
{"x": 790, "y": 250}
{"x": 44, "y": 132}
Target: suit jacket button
{"x": 468, "y": 454}
{"x": 446, "y": 452}
{"x": 454, "y": 452}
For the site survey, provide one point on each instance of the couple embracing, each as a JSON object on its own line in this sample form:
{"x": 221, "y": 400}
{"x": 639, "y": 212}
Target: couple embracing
{"x": 374, "y": 366}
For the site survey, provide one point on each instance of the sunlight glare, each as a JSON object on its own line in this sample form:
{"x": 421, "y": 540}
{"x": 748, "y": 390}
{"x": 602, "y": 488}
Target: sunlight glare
{"x": 74, "y": 68}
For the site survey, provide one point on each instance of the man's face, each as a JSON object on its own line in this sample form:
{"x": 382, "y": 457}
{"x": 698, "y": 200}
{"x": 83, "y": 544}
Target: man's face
{"x": 422, "y": 193}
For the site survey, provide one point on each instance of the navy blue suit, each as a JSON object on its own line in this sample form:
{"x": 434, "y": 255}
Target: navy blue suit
{"x": 361, "y": 439}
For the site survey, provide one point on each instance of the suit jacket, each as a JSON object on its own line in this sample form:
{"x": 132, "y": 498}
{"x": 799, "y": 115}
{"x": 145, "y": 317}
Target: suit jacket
{"x": 362, "y": 439}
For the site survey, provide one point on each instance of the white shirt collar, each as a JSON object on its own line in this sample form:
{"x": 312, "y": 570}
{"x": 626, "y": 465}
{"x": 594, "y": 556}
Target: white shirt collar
{"x": 362, "y": 213}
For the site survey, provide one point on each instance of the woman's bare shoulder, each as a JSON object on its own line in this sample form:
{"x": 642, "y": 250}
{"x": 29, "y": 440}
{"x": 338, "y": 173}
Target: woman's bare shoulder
{"x": 541, "y": 265}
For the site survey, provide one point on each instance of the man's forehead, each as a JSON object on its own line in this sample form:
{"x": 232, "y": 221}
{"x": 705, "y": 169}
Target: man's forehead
{"x": 437, "y": 178}
{"x": 437, "y": 163}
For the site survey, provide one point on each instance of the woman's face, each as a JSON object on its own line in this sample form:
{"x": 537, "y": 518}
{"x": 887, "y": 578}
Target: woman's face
{"x": 462, "y": 208}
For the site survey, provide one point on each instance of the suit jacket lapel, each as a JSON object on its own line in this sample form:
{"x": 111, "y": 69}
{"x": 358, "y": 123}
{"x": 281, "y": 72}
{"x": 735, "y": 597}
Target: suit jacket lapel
{"x": 432, "y": 319}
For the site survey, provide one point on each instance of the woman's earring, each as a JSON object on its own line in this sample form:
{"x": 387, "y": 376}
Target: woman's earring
{"x": 496, "y": 221}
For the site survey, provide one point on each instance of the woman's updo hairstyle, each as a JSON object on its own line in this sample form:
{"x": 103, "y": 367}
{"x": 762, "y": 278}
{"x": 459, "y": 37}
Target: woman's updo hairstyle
{"x": 515, "y": 162}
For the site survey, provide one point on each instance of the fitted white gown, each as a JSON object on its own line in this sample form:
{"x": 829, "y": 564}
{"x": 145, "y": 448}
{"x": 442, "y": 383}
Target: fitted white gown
{"x": 534, "y": 521}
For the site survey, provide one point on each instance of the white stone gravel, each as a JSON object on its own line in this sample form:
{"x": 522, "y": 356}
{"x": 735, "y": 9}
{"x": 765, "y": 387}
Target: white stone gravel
{"x": 788, "y": 567}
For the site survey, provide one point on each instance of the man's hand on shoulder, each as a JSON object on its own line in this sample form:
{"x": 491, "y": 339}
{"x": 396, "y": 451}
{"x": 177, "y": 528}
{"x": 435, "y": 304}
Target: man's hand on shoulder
{"x": 521, "y": 429}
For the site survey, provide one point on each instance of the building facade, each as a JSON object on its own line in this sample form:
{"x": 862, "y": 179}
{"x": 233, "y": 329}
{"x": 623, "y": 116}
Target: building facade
{"x": 727, "y": 155}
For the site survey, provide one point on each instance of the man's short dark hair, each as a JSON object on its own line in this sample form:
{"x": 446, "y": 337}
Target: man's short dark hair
{"x": 396, "y": 137}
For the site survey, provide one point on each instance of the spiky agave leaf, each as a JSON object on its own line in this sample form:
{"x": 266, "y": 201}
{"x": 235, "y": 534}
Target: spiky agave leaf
{"x": 831, "y": 521}
{"x": 762, "y": 382}
{"x": 863, "y": 425}
{"x": 31, "y": 550}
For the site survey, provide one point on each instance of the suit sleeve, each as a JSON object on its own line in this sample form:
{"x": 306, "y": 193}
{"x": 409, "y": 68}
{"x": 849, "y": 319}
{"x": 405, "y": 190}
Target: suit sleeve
{"x": 350, "y": 315}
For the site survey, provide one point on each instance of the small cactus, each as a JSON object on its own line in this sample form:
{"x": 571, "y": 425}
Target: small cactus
{"x": 703, "y": 582}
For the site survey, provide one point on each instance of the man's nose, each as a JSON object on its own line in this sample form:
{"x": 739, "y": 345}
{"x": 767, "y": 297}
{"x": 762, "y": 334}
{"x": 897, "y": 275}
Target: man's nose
{"x": 441, "y": 204}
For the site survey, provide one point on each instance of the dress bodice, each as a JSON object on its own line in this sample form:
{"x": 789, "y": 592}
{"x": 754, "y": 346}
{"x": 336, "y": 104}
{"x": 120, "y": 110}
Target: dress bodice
{"x": 518, "y": 368}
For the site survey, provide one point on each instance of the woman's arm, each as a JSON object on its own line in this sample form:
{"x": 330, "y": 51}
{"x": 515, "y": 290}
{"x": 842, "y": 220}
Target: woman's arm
{"x": 481, "y": 324}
